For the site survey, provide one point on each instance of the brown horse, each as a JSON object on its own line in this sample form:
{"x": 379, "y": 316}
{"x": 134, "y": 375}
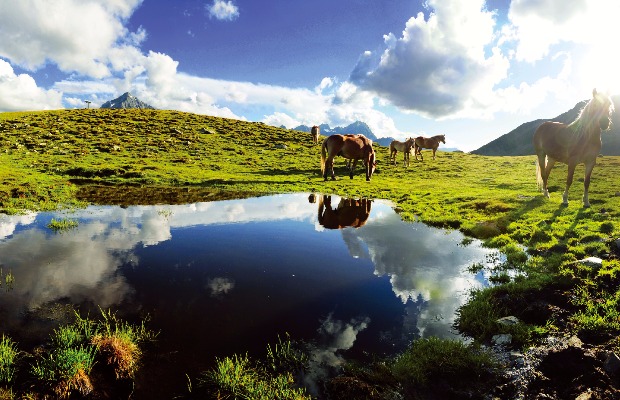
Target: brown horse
{"x": 315, "y": 132}
{"x": 422, "y": 142}
{"x": 353, "y": 147}
{"x": 405, "y": 147}
{"x": 573, "y": 144}
{"x": 348, "y": 213}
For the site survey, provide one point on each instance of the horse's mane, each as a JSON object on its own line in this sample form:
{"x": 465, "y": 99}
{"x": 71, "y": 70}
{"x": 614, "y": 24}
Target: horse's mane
{"x": 589, "y": 113}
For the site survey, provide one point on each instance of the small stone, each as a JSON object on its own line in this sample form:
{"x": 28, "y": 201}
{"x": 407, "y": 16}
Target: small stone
{"x": 584, "y": 396}
{"x": 612, "y": 363}
{"x": 574, "y": 341}
{"x": 510, "y": 320}
{"x": 502, "y": 339}
{"x": 592, "y": 262}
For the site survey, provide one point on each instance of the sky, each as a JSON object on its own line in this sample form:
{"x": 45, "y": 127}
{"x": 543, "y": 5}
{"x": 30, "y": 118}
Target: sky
{"x": 470, "y": 69}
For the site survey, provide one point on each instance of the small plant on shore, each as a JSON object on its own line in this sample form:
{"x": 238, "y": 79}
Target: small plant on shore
{"x": 62, "y": 225}
{"x": 8, "y": 358}
{"x": 435, "y": 361}
{"x": 118, "y": 342}
{"x": 241, "y": 377}
{"x": 285, "y": 356}
{"x": 238, "y": 377}
{"x": 66, "y": 370}
{"x": 7, "y": 279}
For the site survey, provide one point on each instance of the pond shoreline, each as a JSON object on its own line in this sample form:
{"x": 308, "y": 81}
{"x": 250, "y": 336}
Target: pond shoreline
{"x": 489, "y": 198}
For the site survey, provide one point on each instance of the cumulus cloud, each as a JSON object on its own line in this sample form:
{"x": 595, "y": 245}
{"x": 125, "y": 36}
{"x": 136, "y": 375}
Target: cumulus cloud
{"x": 440, "y": 66}
{"x": 540, "y": 25}
{"x": 75, "y": 35}
{"x": 223, "y": 10}
{"x": 20, "y": 92}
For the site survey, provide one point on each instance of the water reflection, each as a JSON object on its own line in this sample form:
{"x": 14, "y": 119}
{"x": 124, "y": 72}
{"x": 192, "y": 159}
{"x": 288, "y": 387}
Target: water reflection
{"x": 349, "y": 212}
{"x": 241, "y": 272}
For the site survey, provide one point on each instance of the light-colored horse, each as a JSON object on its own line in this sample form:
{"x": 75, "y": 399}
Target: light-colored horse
{"x": 406, "y": 147}
{"x": 353, "y": 147}
{"x": 422, "y": 142}
{"x": 573, "y": 144}
{"x": 315, "y": 132}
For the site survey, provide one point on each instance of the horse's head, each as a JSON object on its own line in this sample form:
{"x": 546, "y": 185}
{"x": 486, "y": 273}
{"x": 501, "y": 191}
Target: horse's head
{"x": 372, "y": 165}
{"x": 602, "y": 109}
{"x": 442, "y": 139}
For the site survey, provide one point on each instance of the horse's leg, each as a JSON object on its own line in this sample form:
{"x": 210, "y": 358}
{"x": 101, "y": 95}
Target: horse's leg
{"x": 569, "y": 181}
{"x": 586, "y": 182}
{"x": 329, "y": 164}
{"x": 434, "y": 150}
{"x": 545, "y": 164}
{"x": 353, "y": 164}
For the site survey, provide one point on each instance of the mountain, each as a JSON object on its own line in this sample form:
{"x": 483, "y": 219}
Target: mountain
{"x": 126, "y": 100}
{"x": 356, "y": 127}
{"x": 518, "y": 142}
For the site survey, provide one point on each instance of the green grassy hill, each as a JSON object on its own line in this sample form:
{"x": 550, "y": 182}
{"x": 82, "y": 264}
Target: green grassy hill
{"x": 73, "y": 157}
{"x": 518, "y": 142}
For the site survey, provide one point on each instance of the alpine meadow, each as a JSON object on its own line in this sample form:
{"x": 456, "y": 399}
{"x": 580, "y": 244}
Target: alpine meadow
{"x": 68, "y": 159}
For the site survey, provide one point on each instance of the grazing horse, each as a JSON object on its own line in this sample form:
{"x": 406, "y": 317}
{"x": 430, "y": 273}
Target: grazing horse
{"x": 405, "y": 147}
{"x": 352, "y": 147}
{"x": 573, "y": 144}
{"x": 348, "y": 213}
{"x": 422, "y": 142}
{"x": 315, "y": 132}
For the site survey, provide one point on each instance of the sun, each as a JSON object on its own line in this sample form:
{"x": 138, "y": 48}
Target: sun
{"x": 600, "y": 70}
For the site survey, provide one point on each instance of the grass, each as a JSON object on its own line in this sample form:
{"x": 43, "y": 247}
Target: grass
{"x": 241, "y": 377}
{"x": 62, "y": 225}
{"x": 64, "y": 368}
{"x": 70, "y": 158}
{"x": 119, "y": 343}
{"x": 8, "y": 358}
{"x": 433, "y": 362}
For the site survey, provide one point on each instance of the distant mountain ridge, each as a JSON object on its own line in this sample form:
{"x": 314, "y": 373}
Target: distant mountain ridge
{"x": 356, "y": 127}
{"x": 518, "y": 142}
{"x": 127, "y": 100}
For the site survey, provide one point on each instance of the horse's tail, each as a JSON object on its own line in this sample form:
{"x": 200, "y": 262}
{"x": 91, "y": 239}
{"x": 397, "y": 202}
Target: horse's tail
{"x": 323, "y": 155}
{"x": 539, "y": 179}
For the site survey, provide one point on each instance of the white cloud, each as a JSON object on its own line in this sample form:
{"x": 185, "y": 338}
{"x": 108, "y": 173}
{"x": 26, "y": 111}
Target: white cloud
{"x": 540, "y": 25}
{"x": 439, "y": 67}
{"x": 76, "y": 35}
{"x": 223, "y": 10}
{"x": 20, "y": 92}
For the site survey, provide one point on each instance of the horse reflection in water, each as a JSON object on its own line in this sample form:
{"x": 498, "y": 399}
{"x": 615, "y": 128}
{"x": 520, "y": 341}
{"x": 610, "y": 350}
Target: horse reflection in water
{"x": 349, "y": 212}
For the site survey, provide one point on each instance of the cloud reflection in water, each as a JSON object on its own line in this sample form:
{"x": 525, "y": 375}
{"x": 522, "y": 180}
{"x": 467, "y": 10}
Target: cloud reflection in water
{"x": 425, "y": 267}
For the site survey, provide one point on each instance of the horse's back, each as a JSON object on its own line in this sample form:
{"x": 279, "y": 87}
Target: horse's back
{"x": 550, "y": 137}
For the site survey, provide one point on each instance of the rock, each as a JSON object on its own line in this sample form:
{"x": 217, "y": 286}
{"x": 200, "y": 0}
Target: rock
{"x": 594, "y": 262}
{"x": 280, "y": 146}
{"x": 510, "y": 320}
{"x": 574, "y": 341}
{"x": 502, "y": 339}
{"x": 612, "y": 364}
{"x": 585, "y": 396}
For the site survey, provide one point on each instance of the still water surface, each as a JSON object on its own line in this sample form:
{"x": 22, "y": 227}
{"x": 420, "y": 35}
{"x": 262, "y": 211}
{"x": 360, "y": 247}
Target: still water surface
{"x": 228, "y": 277}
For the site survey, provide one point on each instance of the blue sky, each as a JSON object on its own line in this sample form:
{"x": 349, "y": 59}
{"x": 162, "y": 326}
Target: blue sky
{"x": 470, "y": 69}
